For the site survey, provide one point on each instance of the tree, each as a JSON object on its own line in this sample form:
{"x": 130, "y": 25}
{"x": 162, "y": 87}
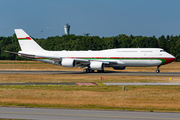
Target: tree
{"x": 163, "y": 43}
{"x": 177, "y": 48}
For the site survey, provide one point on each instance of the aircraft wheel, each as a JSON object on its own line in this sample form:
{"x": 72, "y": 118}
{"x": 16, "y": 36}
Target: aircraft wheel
{"x": 87, "y": 70}
{"x": 91, "y": 71}
{"x": 157, "y": 71}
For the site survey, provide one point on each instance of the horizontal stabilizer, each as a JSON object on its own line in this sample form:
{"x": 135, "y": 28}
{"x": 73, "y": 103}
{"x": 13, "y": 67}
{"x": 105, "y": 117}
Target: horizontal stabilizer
{"x": 11, "y": 52}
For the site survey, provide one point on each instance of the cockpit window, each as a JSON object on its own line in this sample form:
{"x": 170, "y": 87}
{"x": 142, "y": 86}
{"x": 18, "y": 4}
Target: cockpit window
{"x": 162, "y": 51}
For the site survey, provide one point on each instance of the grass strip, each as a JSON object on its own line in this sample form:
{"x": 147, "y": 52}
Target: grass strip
{"x": 61, "y": 78}
{"x": 134, "y": 98}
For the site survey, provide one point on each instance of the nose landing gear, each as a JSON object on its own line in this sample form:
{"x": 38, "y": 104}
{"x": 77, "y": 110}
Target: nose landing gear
{"x": 158, "y": 71}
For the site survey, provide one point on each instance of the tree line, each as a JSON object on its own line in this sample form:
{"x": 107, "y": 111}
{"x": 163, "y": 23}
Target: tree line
{"x": 171, "y": 44}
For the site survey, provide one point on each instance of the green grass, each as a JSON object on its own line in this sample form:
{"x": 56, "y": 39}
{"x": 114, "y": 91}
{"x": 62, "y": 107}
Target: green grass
{"x": 142, "y": 94}
{"x": 64, "y": 87}
{"x": 103, "y": 88}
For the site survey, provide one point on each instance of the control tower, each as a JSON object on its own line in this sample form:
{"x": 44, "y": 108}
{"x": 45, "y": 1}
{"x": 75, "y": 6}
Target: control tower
{"x": 67, "y": 28}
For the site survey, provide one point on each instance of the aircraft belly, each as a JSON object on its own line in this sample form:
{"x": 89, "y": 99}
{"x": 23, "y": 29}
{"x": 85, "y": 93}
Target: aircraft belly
{"x": 141, "y": 63}
{"x": 47, "y": 61}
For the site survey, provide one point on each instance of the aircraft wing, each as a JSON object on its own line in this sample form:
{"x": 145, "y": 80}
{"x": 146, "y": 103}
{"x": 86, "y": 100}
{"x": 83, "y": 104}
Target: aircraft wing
{"x": 83, "y": 63}
{"x": 50, "y": 59}
{"x": 57, "y": 60}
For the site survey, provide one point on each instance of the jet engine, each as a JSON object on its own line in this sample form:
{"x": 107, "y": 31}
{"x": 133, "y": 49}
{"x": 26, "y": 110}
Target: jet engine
{"x": 119, "y": 67}
{"x": 97, "y": 65}
{"x": 68, "y": 63}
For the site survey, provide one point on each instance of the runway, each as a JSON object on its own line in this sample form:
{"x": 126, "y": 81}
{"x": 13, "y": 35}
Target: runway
{"x": 84, "y": 73}
{"x": 141, "y": 83}
{"x": 87, "y": 84}
{"x": 74, "y": 114}
{"x": 1, "y": 84}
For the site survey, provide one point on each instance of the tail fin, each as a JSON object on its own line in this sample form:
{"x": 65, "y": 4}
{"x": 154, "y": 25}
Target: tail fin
{"x": 26, "y": 42}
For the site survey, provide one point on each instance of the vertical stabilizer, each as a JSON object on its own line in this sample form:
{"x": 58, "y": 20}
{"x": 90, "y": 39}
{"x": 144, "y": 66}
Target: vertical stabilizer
{"x": 26, "y": 42}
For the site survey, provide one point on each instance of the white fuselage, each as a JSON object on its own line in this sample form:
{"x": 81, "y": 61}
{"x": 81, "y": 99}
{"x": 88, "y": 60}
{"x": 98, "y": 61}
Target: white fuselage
{"x": 123, "y": 56}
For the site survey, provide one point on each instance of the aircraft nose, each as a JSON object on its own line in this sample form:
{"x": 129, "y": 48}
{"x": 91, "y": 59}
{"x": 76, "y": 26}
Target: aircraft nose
{"x": 169, "y": 60}
{"x": 173, "y": 58}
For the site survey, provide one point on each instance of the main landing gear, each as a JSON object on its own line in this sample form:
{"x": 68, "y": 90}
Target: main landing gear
{"x": 158, "y": 71}
{"x": 91, "y": 71}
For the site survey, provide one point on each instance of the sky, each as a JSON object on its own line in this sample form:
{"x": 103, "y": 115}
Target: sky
{"x": 104, "y": 18}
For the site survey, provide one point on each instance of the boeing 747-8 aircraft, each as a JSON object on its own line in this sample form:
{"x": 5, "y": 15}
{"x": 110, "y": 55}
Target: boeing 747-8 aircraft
{"x": 118, "y": 58}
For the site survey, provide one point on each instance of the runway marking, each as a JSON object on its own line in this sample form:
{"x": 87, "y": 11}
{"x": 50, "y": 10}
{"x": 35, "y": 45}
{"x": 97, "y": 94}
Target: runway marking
{"x": 84, "y": 83}
{"x": 24, "y": 113}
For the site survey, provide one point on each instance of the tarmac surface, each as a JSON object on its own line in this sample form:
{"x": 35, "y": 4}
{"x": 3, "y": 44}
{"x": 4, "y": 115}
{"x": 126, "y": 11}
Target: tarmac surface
{"x": 142, "y": 83}
{"x": 1, "y": 84}
{"x": 74, "y": 114}
{"x": 95, "y": 73}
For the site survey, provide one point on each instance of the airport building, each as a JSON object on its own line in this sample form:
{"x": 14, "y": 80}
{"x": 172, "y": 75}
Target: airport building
{"x": 67, "y": 28}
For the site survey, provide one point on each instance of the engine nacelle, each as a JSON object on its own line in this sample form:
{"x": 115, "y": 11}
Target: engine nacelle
{"x": 119, "y": 68}
{"x": 97, "y": 65}
{"x": 68, "y": 63}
